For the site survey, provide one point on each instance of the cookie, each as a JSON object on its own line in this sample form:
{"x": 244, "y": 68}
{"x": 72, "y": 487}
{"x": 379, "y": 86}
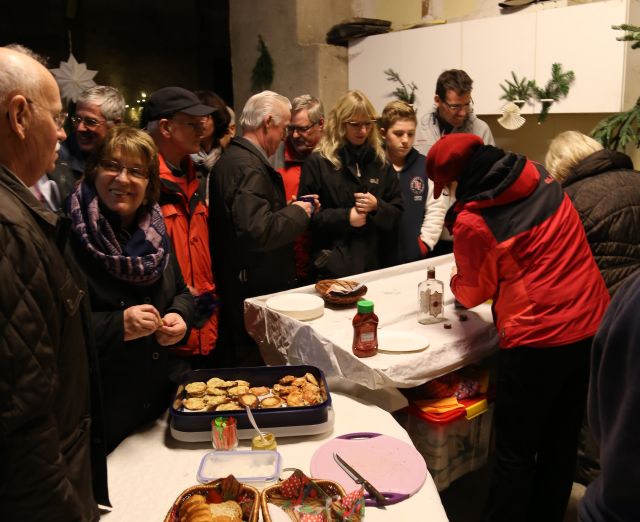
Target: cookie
{"x": 259, "y": 390}
{"x": 216, "y": 391}
{"x": 228, "y": 406}
{"x": 195, "y": 389}
{"x": 271, "y": 402}
{"x": 194, "y": 403}
{"x": 248, "y": 399}
{"x": 238, "y": 390}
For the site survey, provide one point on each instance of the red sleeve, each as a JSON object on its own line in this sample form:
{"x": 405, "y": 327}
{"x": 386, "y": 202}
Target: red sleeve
{"x": 476, "y": 253}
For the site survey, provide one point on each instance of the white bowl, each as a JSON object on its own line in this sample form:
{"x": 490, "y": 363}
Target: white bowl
{"x": 299, "y": 306}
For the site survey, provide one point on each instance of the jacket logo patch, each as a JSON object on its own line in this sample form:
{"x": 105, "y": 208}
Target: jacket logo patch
{"x": 417, "y": 186}
{"x": 374, "y": 181}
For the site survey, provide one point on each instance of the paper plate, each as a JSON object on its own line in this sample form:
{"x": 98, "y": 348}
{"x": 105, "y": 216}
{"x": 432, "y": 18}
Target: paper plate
{"x": 394, "y": 341}
{"x": 299, "y": 306}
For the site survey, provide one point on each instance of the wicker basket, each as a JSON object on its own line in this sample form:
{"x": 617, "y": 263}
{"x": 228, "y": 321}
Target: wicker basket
{"x": 203, "y": 489}
{"x": 323, "y": 288}
{"x": 330, "y": 487}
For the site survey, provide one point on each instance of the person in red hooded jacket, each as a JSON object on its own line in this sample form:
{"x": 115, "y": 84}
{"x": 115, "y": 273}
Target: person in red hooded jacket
{"x": 174, "y": 119}
{"x": 519, "y": 241}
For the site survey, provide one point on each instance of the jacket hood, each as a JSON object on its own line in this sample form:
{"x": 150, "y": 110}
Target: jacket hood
{"x": 600, "y": 161}
{"x": 495, "y": 178}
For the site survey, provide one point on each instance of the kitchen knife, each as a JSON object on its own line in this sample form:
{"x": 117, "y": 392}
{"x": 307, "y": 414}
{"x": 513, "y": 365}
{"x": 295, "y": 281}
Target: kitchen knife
{"x": 359, "y": 479}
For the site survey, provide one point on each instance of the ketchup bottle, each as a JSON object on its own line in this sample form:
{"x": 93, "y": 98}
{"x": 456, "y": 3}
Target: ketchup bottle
{"x": 365, "y": 330}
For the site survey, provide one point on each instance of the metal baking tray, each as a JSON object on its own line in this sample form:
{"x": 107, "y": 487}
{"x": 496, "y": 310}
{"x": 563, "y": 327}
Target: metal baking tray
{"x": 287, "y": 421}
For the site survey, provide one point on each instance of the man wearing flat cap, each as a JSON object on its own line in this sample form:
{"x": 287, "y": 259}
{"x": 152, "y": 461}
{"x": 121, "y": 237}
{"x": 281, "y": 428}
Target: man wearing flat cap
{"x": 519, "y": 241}
{"x": 173, "y": 117}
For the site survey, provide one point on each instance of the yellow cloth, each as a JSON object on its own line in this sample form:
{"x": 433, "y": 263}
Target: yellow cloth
{"x": 438, "y": 405}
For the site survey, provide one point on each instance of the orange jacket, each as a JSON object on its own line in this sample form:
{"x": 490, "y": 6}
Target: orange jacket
{"x": 185, "y": 214}
{"x": 291, "y": 178}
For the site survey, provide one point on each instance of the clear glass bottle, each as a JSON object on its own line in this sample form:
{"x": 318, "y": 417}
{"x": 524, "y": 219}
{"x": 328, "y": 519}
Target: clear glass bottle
{"x": 430, "y": 299}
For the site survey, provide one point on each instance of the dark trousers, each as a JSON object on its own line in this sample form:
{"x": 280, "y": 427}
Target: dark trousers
{"x": 540, "y": 400}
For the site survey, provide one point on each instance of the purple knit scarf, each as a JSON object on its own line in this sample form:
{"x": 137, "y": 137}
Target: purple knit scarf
{"x": 140, "y": 260}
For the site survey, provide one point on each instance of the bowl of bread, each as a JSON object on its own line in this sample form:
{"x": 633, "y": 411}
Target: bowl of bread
{"x": 340, "y": 292}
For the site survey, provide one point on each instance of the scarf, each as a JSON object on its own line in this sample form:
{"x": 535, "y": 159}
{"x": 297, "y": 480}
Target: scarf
{"x": 141, "y": 259}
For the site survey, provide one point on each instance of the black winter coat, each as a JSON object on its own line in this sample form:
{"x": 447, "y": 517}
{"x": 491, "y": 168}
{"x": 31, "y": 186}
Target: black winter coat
{"x": 44, "y": 376}
{"x": 252, "y": 228}
{"x": 606, "y": 193}
{"x": 338, "y": 249}
{"x": 134, "y": 375}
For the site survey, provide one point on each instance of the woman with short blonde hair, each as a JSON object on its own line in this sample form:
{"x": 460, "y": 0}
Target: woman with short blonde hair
{"x": 605, "y": 190}
{"x": 566, "y": 150}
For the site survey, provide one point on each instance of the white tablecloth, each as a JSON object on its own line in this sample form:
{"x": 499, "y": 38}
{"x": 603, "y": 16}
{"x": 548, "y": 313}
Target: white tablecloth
{"x": 149, "y": 469}
{"x": 326, "y": 342}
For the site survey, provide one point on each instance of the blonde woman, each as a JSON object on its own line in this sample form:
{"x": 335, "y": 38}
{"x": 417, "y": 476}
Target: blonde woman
{"x": 355, "y": 229}
{"x": 605, "y": 190}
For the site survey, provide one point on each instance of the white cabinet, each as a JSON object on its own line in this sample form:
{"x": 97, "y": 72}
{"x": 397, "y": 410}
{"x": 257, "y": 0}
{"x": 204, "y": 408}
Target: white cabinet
{"x": 417, "y": 55}
{"x": 491, "y": 49}
{"x": 528, "y": 43}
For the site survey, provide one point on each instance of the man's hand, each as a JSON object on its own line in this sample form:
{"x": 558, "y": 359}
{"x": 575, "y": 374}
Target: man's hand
{"x": 307, "y": 207}
{"x": 172, "y": 330}
{"x": 140, "y": 321}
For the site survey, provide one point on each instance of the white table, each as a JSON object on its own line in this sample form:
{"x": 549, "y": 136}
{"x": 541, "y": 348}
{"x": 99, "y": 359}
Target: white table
{"x": 326, "y": 342}
{"x": 149, "y": 469}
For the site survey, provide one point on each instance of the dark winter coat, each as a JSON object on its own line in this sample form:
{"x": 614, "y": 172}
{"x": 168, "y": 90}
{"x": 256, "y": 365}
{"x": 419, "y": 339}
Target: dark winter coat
{"x": 252, "y": 229}
{"x": 519, "y": 241}
{"x": 44, "y": 376}
{"x": 614, "y": 400}
{"x": 134, "y": 375}
{"x": 338, "y": 249}
{"x": 414, "y": 185}
{"x": 606, "y": 193}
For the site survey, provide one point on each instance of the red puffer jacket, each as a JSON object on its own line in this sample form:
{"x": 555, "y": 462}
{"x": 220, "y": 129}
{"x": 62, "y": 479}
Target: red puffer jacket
{"x": 185, "y": 214}
{"x": 519, "y": 241}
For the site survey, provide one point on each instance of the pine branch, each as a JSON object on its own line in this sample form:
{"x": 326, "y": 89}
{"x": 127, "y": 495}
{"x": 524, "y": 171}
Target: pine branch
{"x": 556, "y": 87}
{"x": 262, "y": 73}
{"x": 406, "y": 92}
{"x": 618, "y": 130}
{"x": 518, "y": 89}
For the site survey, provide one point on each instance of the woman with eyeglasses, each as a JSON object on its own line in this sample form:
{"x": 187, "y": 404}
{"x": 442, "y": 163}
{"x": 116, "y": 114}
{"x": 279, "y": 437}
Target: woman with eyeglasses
{"x": 355, "y": 229}
{"x": 140, "y": 304}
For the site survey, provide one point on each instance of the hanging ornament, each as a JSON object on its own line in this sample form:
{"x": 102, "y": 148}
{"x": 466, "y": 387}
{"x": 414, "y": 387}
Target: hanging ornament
{"x": 73, "y": 78}
{"x": 511, "y": 118}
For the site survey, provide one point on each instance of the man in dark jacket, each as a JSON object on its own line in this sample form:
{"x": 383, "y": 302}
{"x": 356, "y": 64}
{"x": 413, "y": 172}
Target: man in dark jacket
{"x": 614, "y": 399}
{"x": 520, "y": 242}
{"x": 252, "y": 226}
{"x": 44, "y": 378}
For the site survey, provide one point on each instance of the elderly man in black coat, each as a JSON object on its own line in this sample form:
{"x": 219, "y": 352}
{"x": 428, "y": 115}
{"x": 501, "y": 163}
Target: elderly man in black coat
{"x": 252, "y": 228}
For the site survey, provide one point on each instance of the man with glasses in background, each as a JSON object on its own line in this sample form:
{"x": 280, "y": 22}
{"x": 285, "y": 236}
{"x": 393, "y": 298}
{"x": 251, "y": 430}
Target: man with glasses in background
{"x": 97, "y": 110}
{"x": 303, "y": 134}
{"x": 174, "y": 117}
{"x": 452, "y": 113}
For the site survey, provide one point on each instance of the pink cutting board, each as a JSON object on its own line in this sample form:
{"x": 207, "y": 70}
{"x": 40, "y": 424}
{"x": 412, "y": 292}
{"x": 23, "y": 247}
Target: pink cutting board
{"x": 390, "y": 464}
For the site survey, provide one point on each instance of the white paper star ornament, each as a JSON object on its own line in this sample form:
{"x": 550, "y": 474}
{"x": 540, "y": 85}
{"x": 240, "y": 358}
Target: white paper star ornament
{"x": 73, "y": 78}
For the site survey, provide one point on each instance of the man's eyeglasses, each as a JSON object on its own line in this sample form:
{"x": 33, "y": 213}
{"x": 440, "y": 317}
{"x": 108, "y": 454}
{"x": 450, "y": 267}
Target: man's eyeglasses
{"x": 300, "y": 130}
{"x": 367, "y": 124}
{"x": 114, "y": 168}
{"x": 195, "y": 125}
{"x": 59, "y": 118}
{"x": 89, "y": 123}
{"x": 457, "y": 107}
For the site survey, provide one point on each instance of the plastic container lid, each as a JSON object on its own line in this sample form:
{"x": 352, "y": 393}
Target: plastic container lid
{"x": 244, "y": 465}
{"x": 365, "y": 306}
